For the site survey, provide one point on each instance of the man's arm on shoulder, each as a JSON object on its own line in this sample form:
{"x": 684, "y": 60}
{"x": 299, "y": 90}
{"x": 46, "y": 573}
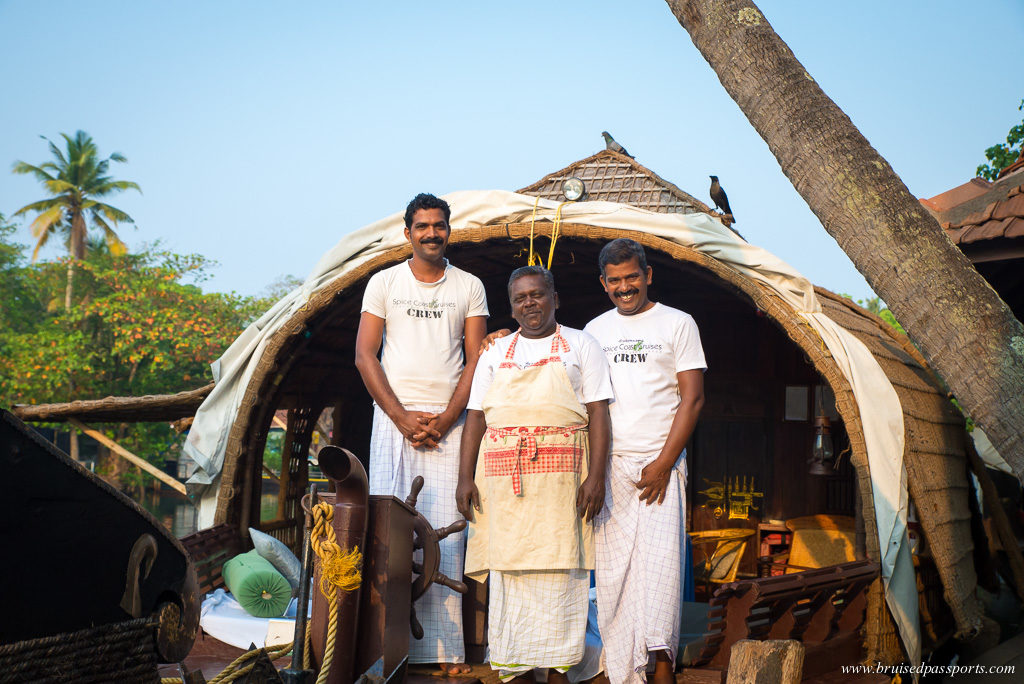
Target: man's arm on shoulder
{"x": 368, "y": 341}
{"x": 473, "y": 334}
{"x": 654, "y": 478}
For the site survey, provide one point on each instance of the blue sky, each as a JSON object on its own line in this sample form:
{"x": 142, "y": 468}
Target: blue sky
{"x": 261, "y": 132}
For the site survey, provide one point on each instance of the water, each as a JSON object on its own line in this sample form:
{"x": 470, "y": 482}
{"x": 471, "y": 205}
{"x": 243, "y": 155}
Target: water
{"x": 179, "y": 515}
{"x": 172, "y": 509}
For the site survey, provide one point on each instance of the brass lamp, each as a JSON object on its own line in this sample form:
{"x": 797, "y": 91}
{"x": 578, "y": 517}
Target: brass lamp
{"x": 822, "y": 455}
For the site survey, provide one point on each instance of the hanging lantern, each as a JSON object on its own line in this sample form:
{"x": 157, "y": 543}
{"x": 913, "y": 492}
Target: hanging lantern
{"x": 822, "y": 455}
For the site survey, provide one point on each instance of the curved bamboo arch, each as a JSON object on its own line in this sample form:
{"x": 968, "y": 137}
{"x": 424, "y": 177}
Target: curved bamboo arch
{"x": 247, "y": 437}
{"x": 254, "y": 414}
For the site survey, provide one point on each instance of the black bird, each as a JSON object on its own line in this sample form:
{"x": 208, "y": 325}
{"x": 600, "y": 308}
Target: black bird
{"x": 610, "y": 144}
{"x": 719, "y": 197}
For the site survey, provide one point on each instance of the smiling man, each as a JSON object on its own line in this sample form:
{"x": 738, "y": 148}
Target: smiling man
{"x": 538, "y": 420}
{"x": 657, "y": 369}
{"x": 423, "y": 309}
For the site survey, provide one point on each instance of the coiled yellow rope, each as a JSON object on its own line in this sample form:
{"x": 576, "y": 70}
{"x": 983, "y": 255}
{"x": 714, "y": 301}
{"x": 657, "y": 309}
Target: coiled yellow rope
{"x": 239, "y": 666}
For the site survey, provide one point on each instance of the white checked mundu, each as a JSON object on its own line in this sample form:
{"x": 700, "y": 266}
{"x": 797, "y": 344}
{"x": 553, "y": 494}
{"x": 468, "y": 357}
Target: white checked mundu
{"x": 639, "y": 551}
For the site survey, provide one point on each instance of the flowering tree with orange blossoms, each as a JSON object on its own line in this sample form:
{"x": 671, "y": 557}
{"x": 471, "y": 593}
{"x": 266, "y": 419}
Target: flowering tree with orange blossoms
{"x": 140, "y": 325}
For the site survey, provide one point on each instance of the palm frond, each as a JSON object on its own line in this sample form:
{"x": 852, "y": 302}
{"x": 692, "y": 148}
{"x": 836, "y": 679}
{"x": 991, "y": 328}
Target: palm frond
{"x": 59, "y": 186}
{"x": 41, "y": 205}
{"x": 123, "y": 185}
{"x": 39, "y": 172}
{"x": 55, "y": 151}
{"x": 118, "y": 157}
{"x": 42, "y": 239}
{"x": 112, "y": 213}
{"x": 114, "y": 243}
{"x": 44, "y": 222}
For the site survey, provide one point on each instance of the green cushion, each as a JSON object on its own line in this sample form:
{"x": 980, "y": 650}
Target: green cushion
{"x": 257, "y": 586}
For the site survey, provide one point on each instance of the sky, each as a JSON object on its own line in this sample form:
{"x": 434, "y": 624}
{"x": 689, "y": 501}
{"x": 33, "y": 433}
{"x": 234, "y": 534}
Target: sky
{"x": 262, "y": 132}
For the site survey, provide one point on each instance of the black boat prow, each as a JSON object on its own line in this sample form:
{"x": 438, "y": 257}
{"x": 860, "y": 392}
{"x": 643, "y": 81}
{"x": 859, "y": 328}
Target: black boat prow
{"x": 84, "y": 561}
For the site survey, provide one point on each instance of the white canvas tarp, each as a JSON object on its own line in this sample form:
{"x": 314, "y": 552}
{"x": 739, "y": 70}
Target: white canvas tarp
{"x": 881, "y": 413}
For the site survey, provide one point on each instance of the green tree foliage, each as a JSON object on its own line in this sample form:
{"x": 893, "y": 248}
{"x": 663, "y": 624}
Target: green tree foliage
{"x": 876, "y": 306}
{"x": 1002, "y": 155}
{"x": 141, "y": 324}
{"x": 19, "y": 304}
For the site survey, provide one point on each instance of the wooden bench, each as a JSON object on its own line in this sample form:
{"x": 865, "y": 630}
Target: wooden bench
{"x": 822, "y": 608}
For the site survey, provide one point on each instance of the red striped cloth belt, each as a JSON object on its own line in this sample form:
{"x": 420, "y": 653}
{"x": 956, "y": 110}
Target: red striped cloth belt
{"x": 539, "y": 457}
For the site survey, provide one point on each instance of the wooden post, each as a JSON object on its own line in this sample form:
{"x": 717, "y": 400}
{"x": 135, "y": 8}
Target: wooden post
{"x": 999, "y": 519}
{"x": 777, "y": 661}
{"x": 128, "y": 456}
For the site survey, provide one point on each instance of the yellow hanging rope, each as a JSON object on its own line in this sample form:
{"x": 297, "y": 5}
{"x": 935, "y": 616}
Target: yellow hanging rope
{"x": 556, "y": 230}
{"x": 534, "y": 259}
{"x": 337, "y": 571}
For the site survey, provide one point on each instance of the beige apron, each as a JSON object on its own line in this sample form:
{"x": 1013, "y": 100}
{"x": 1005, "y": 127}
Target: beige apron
{"x": 532, "y": 460}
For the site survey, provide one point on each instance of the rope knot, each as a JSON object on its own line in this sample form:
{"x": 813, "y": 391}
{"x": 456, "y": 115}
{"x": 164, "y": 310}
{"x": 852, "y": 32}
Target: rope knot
{"x": 338, "y": 570}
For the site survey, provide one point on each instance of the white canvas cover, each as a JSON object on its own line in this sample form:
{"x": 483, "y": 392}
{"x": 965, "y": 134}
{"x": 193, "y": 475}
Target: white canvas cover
{"x": 881, "y": 413}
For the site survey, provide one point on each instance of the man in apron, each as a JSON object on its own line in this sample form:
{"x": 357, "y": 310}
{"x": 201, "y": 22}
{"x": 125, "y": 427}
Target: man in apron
{"x": 422, "y": 309}
{"x": 657, "y": 366}
{"x": 538, "y": 420}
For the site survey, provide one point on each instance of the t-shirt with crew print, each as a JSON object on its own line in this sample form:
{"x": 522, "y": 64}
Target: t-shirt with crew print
{"x": 644, "y": 352}
{"x": 424, "y": 325}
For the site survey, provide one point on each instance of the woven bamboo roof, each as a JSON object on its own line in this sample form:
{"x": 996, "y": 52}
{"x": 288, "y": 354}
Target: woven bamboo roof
{"x": 612, "y": 177}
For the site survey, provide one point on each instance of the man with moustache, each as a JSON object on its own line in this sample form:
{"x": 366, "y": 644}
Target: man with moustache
{"x": 425, "y": 311}
{"x": 538, "y": 420}
{"x": 657, "y": 369}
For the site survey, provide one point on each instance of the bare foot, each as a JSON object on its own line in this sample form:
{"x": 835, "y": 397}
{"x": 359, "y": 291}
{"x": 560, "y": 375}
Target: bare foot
{"x": 455, "y": 669}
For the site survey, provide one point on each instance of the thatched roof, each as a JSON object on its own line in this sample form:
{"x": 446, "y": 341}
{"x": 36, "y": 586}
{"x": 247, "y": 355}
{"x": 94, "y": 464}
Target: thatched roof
{"x": 159, "y": 407}
{"x": 612, "y": 177}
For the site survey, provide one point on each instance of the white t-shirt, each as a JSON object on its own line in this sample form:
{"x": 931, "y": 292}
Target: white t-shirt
{"x": 645, "y": 351}
{"x": 584, "y": 364}
{"x": 423, "y": 329}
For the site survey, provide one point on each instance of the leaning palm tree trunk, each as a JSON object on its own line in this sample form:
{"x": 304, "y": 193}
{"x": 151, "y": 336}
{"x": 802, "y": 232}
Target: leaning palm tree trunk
{"x": 964, "y": 330}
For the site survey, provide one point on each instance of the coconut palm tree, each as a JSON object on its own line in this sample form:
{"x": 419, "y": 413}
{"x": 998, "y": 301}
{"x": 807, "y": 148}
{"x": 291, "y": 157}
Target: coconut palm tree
{"x": 966, "y": 332}
{"x": 77, "y": 179}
